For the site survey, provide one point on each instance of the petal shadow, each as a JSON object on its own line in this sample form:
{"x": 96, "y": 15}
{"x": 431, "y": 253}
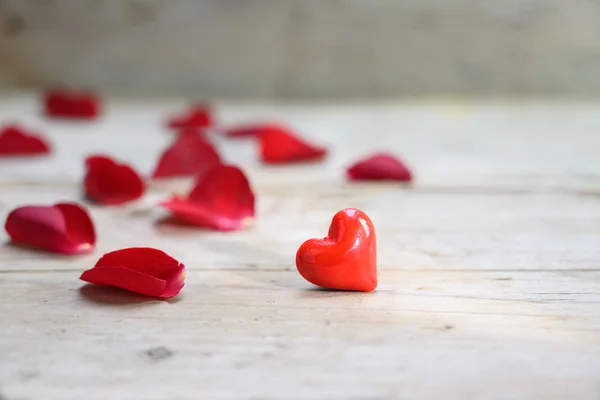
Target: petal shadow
{"x": 112, "y": 296}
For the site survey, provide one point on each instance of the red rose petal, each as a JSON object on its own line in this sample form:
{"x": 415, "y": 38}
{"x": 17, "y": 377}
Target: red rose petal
{"x": 62, "y": 228}
{"x": 199, "y": 116}
{"x": 379, "y": 166}
{"x": 107, "y": 182}
{"x": 73, "y": 105}
{"x": 247, "y": 130}
{"x": 221, "y": 200}
{"x": 191, "y": 154}
{"x": 142, "y": 270}
{"x": 278, "y": 146}
{"x": 14, "y": 141}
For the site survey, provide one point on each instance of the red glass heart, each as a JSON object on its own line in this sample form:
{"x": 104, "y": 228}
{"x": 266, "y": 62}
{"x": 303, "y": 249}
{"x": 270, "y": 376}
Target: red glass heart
{"x": 346, "y": 259}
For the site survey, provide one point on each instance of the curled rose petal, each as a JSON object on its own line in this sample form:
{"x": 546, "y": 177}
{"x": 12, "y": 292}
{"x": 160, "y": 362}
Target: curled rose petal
{"x": 71, "y": 105}
{"x": 190, "y": 154}
{"x": 377, "y": 167}
{"x": 142, "y": 270}
{"x": 279, "y": 146}
{"x": 221, "y": 200}
{"x": 199, "y": 116}
{"x": 247, "y": 130}
{"x": 15, "y": 141}
{"x": 62, "y": 228}
{"x": 107, "y": 182}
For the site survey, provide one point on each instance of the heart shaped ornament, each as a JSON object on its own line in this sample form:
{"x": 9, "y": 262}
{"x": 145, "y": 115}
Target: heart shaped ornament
{"x": 346, "y": 259}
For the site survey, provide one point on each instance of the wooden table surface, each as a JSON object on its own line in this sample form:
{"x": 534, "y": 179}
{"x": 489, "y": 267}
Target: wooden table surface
{"x": 489, "y": 264}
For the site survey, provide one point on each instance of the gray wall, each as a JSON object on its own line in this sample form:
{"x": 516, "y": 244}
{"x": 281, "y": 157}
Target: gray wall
{"x": 304, "y": 48}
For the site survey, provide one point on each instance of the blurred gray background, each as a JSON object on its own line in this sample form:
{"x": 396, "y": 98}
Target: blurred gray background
{"x": 304, "y": 48}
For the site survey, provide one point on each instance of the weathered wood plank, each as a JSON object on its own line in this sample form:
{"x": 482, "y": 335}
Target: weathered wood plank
{"x": 417, "y": 228}
{"x": 265, "y": 334}
{"x": 489, "y": 265}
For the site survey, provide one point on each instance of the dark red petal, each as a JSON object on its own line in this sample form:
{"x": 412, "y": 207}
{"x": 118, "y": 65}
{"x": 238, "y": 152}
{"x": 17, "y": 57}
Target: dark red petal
{"x": 142, "y": 270}
{"x": 379, "y": 166}
{"x": 15, "y": 141}
{"x": 279, "y": 146}
{"x": 107, "y": 182}
{"x": 247, "y": 130}
{"x": 63, "y": 228}
{"x": 191, "y": 154}
{"x": 199, "y": 116}
{"x": 221, "y": 200}
{"x": 75, "y": 105}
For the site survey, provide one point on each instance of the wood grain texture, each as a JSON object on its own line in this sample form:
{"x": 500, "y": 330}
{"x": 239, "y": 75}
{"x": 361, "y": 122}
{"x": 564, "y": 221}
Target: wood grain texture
{"x": 489, "y": 264}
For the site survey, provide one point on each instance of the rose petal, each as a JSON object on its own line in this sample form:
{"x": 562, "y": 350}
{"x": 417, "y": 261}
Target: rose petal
{"x": 107, "y": 182}
{"x": 62, "y": 228}
{"x": 15, "y": 141}
{"x": 221, "y": 200}
{"x": 247, "y": 130}
{"x": 191, "y": 154}
{"x": 142, "y": 270}
{"x": 279, "y": 146}
{"x": 379, "y": 166}
{"x": 199, "y": 116}
{"x": 73, "y": 105}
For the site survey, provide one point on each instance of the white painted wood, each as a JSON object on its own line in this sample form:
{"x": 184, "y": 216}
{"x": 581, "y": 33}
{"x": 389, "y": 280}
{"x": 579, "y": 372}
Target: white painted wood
{"x": 488, "y": 264}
